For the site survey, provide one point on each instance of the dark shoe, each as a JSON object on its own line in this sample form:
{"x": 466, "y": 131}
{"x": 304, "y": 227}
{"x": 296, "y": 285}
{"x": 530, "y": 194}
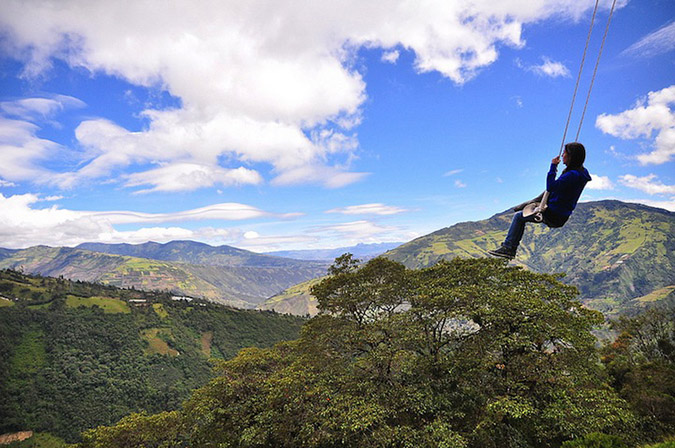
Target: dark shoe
{"x": 503, "y": 252}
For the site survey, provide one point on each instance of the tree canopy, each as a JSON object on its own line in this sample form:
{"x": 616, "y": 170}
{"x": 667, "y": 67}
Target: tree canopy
{"x": 466, "y": 353}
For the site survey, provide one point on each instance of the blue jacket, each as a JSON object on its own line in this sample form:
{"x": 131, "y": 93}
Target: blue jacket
{"x": 565, "y": 191}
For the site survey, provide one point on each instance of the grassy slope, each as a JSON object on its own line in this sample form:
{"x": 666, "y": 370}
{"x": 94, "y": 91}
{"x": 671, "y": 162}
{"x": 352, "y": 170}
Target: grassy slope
{"x": 614, "y": 252}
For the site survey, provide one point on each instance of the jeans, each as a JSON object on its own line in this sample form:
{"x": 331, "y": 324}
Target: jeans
{"x": 516, "y": 230}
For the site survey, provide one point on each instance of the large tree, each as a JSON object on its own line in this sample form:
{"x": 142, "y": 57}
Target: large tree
{"x": 466, "y": 353}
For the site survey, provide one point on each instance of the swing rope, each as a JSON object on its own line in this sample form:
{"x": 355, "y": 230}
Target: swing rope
{"x": 538, "y": 209}
{"x": 576, "y": 86}
{"x": 595, "y": 70}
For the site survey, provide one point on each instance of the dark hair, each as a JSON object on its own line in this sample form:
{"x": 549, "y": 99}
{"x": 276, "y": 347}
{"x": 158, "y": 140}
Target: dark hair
{"x": 576, "y": 154}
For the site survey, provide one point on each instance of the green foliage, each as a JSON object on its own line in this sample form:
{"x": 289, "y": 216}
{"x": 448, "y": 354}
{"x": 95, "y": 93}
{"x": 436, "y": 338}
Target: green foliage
{"x": 65, "y": 369}
{"x": 596, "y": 440}
{"x": 670, "y": 444}
{"x": 138, "y": 430}
{"x": 641, "y": 362}
{"x": 466, "y": 353}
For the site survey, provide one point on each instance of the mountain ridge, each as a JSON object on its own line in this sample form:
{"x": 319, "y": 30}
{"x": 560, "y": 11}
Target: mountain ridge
{"x": 237, "y": 285}
{"x": 616, "y": 253}
{"x": 193, "y": 252}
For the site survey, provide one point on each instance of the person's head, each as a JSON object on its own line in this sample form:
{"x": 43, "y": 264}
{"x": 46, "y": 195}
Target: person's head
{"x": 574, "y": 155}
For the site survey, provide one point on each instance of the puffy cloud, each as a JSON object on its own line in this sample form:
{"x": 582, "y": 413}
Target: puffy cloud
{"x": 390, "y": 56}
{"x": 552, "y": 69}
{"x": 656, "y": 43}
{"x": 370, "y": 209}
{"x": 189, "y": 176}
{"x": 460, "y": 184}
{"x": 258, "y": 82}
{"x": 648, "y": 184}
{"x": 600, "y": 183}
{"x": 23, "y": 224}
{"x": 651, "y": 115}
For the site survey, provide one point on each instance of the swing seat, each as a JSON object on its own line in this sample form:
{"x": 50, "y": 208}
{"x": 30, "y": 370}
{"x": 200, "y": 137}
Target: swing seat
{"x": 533, "y": 209}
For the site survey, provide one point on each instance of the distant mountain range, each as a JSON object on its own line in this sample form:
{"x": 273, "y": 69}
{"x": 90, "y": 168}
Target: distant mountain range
{"x": 194, "y": 253}
{"x": 223, "y": 274}
{"x": 621, "y": 256}
{"x": 360, "y": 251}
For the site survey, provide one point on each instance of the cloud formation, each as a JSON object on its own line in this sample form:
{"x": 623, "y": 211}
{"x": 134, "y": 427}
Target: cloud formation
{"x": 651, "y": 115}
{"x": 269, "y": 83}
{"x": 600, "y": 183}
{"x": 368, "y": 209}
{"x": 649, "y": 184}
{"x": 23, "y": 223}
{"x": 548, "y": 67}
{"x": 656, "y": 43}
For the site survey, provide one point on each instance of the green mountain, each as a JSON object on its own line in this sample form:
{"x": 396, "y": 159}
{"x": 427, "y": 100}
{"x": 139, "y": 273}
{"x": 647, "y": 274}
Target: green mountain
{"x": 296, "y": 300}
{"x": 621, "y": 256}
{"x": 197, "y": 253}
{"x": 241, "y": 283}
{"x": 76, "y": 355}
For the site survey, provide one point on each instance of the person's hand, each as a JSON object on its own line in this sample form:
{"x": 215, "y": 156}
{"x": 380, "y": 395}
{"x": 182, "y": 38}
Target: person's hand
{"x": 556, "y": 160}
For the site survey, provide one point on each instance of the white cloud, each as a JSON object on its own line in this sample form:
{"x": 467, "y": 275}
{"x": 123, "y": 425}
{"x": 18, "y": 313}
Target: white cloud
{"x": 253, "y": 241}
{"x": 600, "y": 183}
{"x": 190, "y": 176}
{"x": 452, "y": 172}
{"x": 552, "y": 69}
{"x": 667, "y": 205}
{"x": 371, "y": 209}
{"x": 330, "y": 177}
{"x": 32, "y": 108}
{"x": 21, "y": 150}
{"x": 648, "y": 184}
{"x": 258, "y": 82}
{"x": 5, "y": 183}
{"x": 656, "y": 43}
{"x": 460, "y": 184}
{"x": 651, "y": 115}
{"x": 23, "y": 225}
{"x": 360, "y": 230}
{"x": 390, "y": 56}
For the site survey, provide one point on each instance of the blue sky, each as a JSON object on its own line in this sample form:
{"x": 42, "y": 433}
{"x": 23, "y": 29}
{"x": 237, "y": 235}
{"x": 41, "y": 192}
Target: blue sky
{"x": 297, "y": 125}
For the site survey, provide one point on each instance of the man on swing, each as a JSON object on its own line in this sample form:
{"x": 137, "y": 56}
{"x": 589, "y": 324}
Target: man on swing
{"x": 564, "y": 193}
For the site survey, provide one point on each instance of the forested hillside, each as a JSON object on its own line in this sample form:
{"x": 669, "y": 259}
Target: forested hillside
{"x": 239, "y": 284}
{"x": 75, "y": 355}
